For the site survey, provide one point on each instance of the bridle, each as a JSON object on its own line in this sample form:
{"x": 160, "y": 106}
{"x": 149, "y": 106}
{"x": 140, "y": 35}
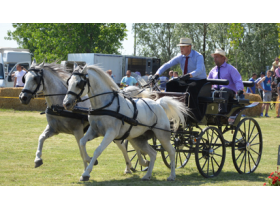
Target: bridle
{"x": 81, "y": 85}
{"x": 38, "y": 79}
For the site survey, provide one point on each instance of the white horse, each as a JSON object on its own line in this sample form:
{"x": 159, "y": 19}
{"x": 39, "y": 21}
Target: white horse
{"x": 149, "y": 113}
{"x": 54, "y": 79}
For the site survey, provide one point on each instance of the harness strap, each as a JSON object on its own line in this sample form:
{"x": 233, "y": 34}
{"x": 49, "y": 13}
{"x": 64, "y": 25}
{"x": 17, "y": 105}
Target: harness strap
{"x": 151, "y": 111}
{"x": 60, "y": 111}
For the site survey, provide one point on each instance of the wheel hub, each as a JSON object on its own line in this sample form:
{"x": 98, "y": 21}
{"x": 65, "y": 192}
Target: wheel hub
{"x": 211, "y": 152}
{"x": 248, "y": 146}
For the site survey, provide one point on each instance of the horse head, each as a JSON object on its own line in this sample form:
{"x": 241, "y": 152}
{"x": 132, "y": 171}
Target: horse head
{"x": 77, "y": 87}
{"x": 33, "y": 82}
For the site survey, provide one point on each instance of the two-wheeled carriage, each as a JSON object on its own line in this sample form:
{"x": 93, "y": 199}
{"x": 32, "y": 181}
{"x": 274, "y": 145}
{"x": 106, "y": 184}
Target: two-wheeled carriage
{"x": 209, "y": 143}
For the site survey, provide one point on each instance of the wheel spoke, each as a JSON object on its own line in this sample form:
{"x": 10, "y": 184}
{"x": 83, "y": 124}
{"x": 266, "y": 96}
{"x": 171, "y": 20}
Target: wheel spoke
{"x": 212, "y": 166}
{"x": 202, "y": 157}
{"x": 133, "y": 157}
{"x": 239, "y": 155}
{"x": 216, "y": 162}
{"x": 217, "y": 147}
{"x": 136, "y": 164}
{"x": 249, "y": 161}
{"x": 217, "y": 154}
{"x": 255, "y": 152}
{"x": 180, "y": 159}
{"x": 252, "y": 158}
{"x": 204, "y": 163}
{"x": 242, "y": 161}
{"x": 245, "y": 161}
{"x": 208, "y": 166}
{"x": 255, "y": 144}
{"x": 254, "y": 138}
{"x": 252, "y": 131}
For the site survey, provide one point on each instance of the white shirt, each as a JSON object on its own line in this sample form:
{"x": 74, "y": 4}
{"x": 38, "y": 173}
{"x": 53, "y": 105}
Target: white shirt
{"x": 19, "y": 75}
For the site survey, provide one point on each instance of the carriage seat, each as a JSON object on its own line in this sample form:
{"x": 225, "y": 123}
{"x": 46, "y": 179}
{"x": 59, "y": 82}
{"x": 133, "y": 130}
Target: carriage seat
{"x": 205, "y": 94}
{"x": 175, "y": 95}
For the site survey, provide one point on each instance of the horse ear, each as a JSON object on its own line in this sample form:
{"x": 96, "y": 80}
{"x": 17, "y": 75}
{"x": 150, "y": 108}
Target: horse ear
{"x": 42, "y": 64}
{"x": 33, "y": 63}
{"x": 75, "y": 67}
{"x": 84, "y": 71}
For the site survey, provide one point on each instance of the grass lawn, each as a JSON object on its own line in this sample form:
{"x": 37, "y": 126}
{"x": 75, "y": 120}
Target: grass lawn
{"x": 19, "y": 132}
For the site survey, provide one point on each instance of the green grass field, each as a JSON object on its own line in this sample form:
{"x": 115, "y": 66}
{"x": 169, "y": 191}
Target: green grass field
{"x": 19, "y": 132}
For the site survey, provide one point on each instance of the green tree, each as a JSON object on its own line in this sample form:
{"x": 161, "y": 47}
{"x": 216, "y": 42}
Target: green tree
{"x": 53, "y": 41}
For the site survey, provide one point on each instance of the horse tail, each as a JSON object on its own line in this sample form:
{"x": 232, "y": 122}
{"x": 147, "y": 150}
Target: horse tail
{"x": 174, "y": 110}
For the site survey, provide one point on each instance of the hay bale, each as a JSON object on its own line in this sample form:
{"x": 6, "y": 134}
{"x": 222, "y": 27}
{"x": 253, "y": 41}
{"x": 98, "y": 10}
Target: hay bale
{"x": 11, "y": 92}
{"x": 277, "y": 105}
{"x": 14, "y": 103}
{"x": 255, "y": 111}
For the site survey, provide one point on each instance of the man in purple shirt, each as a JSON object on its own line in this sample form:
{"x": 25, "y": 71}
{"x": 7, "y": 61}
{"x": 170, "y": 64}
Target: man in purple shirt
{"x": 223, "y": 70}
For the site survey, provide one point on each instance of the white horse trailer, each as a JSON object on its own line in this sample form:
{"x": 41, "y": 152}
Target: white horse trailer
{"x": 119, "y": 64}
{"x": 10, "y": 58}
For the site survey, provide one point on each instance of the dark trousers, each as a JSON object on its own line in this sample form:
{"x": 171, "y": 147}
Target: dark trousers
{"x": 226, "y": 95}
{"x": 261, "y": 93}
{"x": 191, "y": 86}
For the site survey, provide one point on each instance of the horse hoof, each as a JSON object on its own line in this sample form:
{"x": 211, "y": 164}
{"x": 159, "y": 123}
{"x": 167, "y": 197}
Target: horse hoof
{"x": 170, "y": 179}
{"x": 84, "y": 178}
{"x": 145, "y": 179}
{"x": 132, "y": 169}
{"x": 38, "y": 163}
{"x": 96, "y": 162}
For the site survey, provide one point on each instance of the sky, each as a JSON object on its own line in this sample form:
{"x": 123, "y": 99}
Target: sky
{"x": 128, "y": 44}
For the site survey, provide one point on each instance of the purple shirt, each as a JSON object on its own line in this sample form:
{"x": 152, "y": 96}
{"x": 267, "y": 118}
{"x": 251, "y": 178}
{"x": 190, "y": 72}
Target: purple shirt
{"x": 277, "y": 71}
{"x": 230, "y": 73}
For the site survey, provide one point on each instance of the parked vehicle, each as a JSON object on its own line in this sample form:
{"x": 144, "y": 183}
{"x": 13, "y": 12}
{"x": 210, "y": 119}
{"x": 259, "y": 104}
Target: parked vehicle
{"x": 9, "y": 59}
{"x": 119, "y": 64}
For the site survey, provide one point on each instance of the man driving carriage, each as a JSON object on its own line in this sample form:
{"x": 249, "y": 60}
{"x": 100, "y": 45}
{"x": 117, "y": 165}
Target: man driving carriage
{"x": 223, "y": 70}
{"x": 193, "y": 71}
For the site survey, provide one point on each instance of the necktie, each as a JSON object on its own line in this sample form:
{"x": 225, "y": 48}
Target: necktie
{"x": 219, "y": 77}
{"x": 186, "y": 66}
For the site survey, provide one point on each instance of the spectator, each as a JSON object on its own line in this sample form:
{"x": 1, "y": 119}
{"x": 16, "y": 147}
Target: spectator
{"x": 266, "y": 91}
{"x": 110, "y": 73}
{"x": 18, "y": 76}
{"x": 175, "y": 74}
{"x": 128, "y": 80}
{"x": 277, "y": 73}
{"x": 163, "y": 80}
{"x": 278, "y": 88}
{"x": 261, "y": 84}
{"x": 252, "y": 89}
{"x": 170, "y": 74}
{"x": 138, "y": 73}
{"x": 275, "y": 64}
{"x": 146, "y": 77}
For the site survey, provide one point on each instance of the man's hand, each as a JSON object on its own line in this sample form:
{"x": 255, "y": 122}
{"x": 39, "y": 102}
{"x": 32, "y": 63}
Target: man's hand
{"x": 240, "y": 92}
{"x": 155, "y": 77}
{"x": 185, "y": 77}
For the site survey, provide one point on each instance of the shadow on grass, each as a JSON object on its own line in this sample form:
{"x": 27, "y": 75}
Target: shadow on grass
{"x": 193, "y": 179}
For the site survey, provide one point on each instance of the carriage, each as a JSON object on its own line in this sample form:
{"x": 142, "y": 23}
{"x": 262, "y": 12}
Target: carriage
{"x": 209, "y": 144}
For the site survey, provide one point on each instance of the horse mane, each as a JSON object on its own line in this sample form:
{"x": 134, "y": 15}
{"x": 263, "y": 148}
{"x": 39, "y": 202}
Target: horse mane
{"x": 105, "y": 76}
{"x": 58, "y": 70}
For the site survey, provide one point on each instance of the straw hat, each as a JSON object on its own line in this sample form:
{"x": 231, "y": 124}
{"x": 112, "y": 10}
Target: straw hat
{"x": 185, "y": 42}
{"x": 220, "y": 52}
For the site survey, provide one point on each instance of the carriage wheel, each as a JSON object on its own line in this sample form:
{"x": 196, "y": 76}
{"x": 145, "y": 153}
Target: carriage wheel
{"x": 210, "y": 152}
{"x": 247, "y": 146}
{"x": 181, "y": 143}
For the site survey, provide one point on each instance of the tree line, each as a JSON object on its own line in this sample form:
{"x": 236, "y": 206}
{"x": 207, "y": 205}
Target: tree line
{"x": 250, "y": 47}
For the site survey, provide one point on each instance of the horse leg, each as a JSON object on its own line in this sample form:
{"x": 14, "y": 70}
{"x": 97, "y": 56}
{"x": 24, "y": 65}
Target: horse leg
{"x": 78, "y": 135}
{"x": 90, "y": 134}
{"x": 142, "y": 145}
{"x": 122, "y": 147}
{"x": 108, "y": 138}
{"x": 47, "y": 133}
{"x": 164, "y": 139}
